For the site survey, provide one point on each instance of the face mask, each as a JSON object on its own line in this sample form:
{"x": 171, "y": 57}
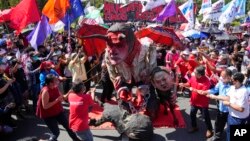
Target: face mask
{"x": 35, "y": 58}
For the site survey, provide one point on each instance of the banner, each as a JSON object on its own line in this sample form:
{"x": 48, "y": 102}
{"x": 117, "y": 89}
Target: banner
{"x": 131, "y": 12}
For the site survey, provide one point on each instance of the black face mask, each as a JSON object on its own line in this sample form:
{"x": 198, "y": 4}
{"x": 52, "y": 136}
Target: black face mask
{"x": 173, "y": 51}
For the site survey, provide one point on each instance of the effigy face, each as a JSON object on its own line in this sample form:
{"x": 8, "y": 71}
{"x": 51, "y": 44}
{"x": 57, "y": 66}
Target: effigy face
{"x": 162, "y": 81}
{"x": 117, "y": 52}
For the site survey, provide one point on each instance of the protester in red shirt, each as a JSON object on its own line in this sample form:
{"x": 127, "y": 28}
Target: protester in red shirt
{"x": 171, "y": 58}
{"x": 80, "y": 104}
{"x": 182, "y": 64}
{"x": 199, "y": 102}
{"x": 50, "y": 109}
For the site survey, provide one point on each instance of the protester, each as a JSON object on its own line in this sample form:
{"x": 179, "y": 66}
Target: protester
{"x": 222, "y": 88}
{"x": 80, "y": 104}
{"x": 50, "y": 108}
{"x": 199, "y": 102}
{"x": 77, "y": 68}
{"x": 237, "y": 102}
{"x": 7, "y": 103}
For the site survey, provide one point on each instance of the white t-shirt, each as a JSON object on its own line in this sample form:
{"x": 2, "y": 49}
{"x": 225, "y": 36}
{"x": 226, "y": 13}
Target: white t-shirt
{"x": 239, "y": 97}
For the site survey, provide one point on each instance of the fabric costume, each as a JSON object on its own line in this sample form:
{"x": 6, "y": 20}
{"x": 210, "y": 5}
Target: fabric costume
{"x": 141, "y": 58}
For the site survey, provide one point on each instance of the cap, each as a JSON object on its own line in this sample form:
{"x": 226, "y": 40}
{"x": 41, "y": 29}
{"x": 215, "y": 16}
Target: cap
{"x": 46, "y": 64}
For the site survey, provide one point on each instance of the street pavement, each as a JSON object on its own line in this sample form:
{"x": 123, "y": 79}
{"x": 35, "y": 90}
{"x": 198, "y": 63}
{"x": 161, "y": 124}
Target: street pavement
{"x": 34, "y": 127}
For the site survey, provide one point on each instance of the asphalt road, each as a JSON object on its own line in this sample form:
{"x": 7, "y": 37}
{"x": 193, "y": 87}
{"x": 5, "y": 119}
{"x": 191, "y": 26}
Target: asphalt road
{"x": 32, "y": 126}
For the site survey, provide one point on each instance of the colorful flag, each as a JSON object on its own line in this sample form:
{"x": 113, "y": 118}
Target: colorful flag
{"x": 187, "y": 10}
{"x": 234, "y": 9}
{"x": 205, "y": 6}
{"x": 241, "y": 4}
{"x": 55, "y": 10}
{"x": 168, "y": 11}
{"x": 215, "y": 12}
{"x": 150, "y": 4}
{"x": 24, "y": 13}
{"x": 75, "y": 11}
{"x": 40, "y": 33}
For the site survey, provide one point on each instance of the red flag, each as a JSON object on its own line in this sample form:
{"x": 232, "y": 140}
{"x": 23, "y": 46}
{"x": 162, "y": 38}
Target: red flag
{"x": 5, "y": 15}
{"x": 55, "y": 10}
{"x": 24, "y": 13}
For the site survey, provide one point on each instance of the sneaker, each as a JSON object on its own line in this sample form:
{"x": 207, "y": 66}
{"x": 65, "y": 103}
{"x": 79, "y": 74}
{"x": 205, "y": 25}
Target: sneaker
{"x": 209, "y": 133}
{"x": 193, "y": 129}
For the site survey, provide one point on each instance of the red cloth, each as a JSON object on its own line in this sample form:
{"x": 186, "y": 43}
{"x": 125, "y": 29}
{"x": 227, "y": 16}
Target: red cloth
{"x": 78, "y": 111}
{"x": 202, "y": 83}
{"x": 92, "y": 46}
{"x": 52, "y": 111}
{"x": 24, "y": 13}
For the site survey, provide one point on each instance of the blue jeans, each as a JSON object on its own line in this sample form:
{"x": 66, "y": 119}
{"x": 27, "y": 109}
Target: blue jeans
{"x": 85, "y": 135}
{"x": 205, "y": 114}
{"x": 233, "y": 121}
{"x": 52, "y": 123}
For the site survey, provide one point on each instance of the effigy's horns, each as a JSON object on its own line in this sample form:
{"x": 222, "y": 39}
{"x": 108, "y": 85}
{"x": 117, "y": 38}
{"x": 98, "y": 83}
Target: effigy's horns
{"x": 98, "y": 36}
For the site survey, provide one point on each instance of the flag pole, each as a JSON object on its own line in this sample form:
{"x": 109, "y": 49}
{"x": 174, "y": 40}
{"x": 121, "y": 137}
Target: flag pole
{"x": 194, "y": 13}
{"x": 69, "y": 40}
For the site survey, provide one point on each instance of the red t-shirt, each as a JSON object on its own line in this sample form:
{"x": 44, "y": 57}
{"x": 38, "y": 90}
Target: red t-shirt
{"x": 202, "y": 83}
{"x": 183, "y": 66}
{"x": 192, "y": 64}
{"x": 78, "y": 111}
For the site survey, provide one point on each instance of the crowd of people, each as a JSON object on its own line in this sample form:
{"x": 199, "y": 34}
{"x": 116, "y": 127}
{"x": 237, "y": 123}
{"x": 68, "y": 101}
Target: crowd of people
{"x": 60, "y": 71}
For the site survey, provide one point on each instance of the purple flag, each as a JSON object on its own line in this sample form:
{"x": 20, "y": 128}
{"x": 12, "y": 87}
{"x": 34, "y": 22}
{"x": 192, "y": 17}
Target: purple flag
{"x": 168, "y": 11}
{"x": 40, "y": 33}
